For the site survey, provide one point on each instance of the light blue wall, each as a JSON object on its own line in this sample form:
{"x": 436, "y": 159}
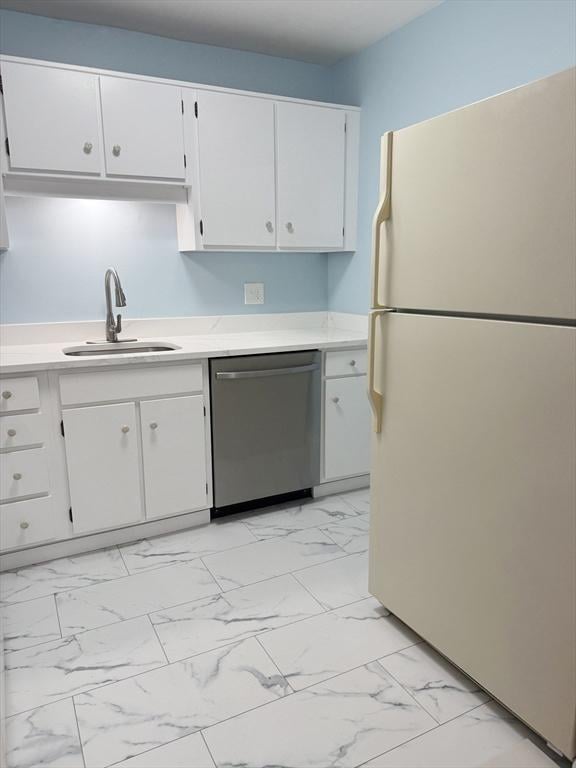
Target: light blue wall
{"x": 60, "y": 248}
{"x": 460, "y": 52}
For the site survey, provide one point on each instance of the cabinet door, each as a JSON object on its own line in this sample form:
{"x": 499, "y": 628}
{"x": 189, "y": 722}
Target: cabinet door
{"x": 51, "y": 119}
{"x": 311, "y": 145}
{"x": 346, "y": 428}
{"x": 174, "y": 450}
{"x": 103, "y": 466}
{"x": 236, "y": 163}
{"x": 143, "y": 130}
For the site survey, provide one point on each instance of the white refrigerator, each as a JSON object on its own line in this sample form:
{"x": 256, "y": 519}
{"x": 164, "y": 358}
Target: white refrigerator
{"x": 473, "y": 385}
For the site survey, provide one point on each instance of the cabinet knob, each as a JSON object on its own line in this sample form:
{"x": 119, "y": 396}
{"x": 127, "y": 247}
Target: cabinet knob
{"x": 289, "y": 226}
{"x": 17, "y": 475}
{"x": 11, "y": 433}
{"x": 24, "y": 525}
{"x": 125, "y": 428}
{"x": 336, "y": 400}
{"x": 352, "y": 363}
{"x": 153, "y": 425}
{"x": 116, "y": 150}
{"x": 269, "y": 226}
{"x": 87, "y": 148}
{"x": 6, "y": 394}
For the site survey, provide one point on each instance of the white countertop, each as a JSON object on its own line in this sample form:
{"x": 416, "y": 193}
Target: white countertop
{"x": 17, "y": 358}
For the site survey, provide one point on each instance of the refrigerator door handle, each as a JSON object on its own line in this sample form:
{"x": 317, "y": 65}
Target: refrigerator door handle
{"x": 374, "y": 395}
{"x": 382, "y": 212}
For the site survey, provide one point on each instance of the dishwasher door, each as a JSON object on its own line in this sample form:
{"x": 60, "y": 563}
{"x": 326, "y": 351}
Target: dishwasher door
{"x": 265, "y": 425}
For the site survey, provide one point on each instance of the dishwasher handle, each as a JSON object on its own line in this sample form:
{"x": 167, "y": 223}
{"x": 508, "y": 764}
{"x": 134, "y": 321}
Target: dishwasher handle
{"x": 267, "y": 372}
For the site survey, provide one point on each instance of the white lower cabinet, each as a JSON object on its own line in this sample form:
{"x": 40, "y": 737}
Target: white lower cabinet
{"x": 346, "y": 428}
{"x": 174, "y": 455}
{"x": 103, "y": 466}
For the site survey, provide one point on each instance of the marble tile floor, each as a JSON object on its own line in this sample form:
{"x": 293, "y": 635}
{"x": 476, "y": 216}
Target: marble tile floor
{"x": 251, "y": 642}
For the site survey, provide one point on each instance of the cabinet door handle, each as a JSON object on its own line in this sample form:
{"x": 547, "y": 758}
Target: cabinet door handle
{"x": 87, "y": 147}
{"x": 6, "y": 394}
{"x": 11, "y": 433}
{"x": 116, "y": 149}
{"x": 336, "y": 400}
{"x": 24, "y": 525}
{"x": 153, "y": 425}
{"x": 269, "y": 226}
{"x": 125, "y": 428}
{"x": 290, "y": 227}
{"x": 353, "y": 363}
{"x": 17, "y": 476}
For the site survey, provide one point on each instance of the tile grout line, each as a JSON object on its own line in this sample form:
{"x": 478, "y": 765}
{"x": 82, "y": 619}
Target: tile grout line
{"x": 282, "y": 675}
{"x": 78, "y": 730}
{"x": 207, "y": 747}
{"x": 159, "y": 641}
{"x": 421, "y": 735}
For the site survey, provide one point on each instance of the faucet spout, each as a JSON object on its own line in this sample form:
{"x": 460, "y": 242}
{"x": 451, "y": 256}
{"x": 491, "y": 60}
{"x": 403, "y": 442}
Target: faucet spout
{"x": 113, "y": 326}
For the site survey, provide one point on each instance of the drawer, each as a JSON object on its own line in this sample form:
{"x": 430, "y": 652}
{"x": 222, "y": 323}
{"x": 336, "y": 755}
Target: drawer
{"x": 23, "y": 473}
{"x": 346, "y": 362}
{"x": 130, "y": 384}
{"x": 23, "y": 523}
{"x": 22, "y": 431}
{"x": 19, "y": 394}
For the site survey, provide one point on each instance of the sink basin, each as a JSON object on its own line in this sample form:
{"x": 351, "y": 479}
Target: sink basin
{"x": 119, "y": 348}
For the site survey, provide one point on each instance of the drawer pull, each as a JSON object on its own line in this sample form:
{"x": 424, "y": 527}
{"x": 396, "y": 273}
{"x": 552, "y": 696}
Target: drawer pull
{"x": 6, "y": 394}
{"x": 336, "y": 400}
{"x": 17, "y": 476}
{"x": 11, "y": 433}
{"x": 24, "y": 525}
{"x": 116, "y": 150}
{"x": 153, "y": 425}
{"x": 125, "y": 428}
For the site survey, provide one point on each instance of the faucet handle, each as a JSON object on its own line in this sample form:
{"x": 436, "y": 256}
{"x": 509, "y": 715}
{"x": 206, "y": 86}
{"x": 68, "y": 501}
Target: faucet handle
{"x": 118, "y": 323}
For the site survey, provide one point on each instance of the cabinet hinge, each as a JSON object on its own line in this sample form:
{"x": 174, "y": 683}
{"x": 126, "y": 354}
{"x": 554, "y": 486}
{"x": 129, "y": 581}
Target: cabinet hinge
{"x": 182, "y": 102}
{"x": 345, "y": 126}
{"x": 343, "y": 231}
{"x": 195, "y": 109}
{"x": 62, "y": 428}
{"x": 206, "y": 488}
{"x": 70, "y": 515}
{"x": 7, "y": 145}
{"x": 184, "y": 161}
{"x": 204, "y": 409}
{"x": 201, "y": 227}
{"x": 1, "y": 85}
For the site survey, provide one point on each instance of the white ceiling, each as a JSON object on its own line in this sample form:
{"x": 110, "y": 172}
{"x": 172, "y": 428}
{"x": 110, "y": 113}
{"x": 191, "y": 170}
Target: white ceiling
{"x": 318, "y": 31}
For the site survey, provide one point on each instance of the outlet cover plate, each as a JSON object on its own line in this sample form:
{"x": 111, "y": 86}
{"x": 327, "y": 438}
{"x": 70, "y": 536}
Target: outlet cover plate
{"x": 253, "y": 293}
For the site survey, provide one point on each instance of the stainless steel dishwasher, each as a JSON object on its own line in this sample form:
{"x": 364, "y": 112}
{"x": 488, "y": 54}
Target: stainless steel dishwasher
{"x": 265, "y": 426}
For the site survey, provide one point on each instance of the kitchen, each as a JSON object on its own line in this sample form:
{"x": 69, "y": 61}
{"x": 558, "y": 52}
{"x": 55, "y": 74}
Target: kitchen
{"x": 287, "y": 407}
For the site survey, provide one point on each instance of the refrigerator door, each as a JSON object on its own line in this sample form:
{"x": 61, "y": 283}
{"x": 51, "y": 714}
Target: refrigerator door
{"x": 482, "y": 207}
{"x": 473, "y": 524}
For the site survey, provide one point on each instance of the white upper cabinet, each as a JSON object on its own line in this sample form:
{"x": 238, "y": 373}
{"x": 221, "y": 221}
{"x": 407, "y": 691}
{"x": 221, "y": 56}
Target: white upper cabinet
{"x": 143, "y": 130}
{"x": 52, "y": 119}
{"x": 236, "y": 169}
{"x": 311, "y": 165}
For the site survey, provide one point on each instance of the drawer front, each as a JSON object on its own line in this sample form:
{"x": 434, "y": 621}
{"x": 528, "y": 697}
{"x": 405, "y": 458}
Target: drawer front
{"x": 19, "y": 394}
{"x": 22, "y": 431}
{"x": 346, "y": 362}
{"x": 131, "y": 384}
{"x": 23, "y": 473}
{"x": 24, "y": 523}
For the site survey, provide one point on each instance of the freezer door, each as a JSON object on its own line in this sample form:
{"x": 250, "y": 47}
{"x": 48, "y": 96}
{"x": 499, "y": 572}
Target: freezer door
{"x": 473, "y": 505}
{"x": 483, "y": 207}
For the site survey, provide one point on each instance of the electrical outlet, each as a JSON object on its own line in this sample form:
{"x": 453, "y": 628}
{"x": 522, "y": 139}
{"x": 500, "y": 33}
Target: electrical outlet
{"x": 253, "y": 293}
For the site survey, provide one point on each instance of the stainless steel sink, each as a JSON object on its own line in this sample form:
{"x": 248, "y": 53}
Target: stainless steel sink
{"x": 119, "y": 348}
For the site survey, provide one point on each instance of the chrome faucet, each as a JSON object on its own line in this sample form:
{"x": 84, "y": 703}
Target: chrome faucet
{"x": 113, "y": 327}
